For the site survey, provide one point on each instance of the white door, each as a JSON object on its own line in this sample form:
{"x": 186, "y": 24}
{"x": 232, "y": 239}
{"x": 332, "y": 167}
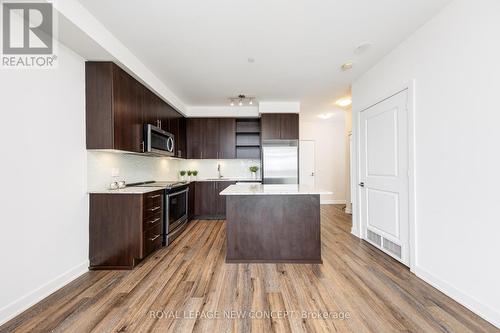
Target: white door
{"x": 384, "y": 176}
{"x": 307, "y": 161}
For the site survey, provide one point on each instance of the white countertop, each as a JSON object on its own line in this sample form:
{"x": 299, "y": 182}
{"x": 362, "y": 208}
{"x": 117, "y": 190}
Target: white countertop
{"x": 227, "y": 180}
{"x": 268, "y": 189}
{"x": 128, "y": 190}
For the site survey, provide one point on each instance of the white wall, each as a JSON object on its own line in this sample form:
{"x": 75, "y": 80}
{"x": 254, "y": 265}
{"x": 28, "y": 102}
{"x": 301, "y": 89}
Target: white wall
{"x": 223, "y": 111}
{"x": 330, "y": 164}
{"x": 131, "y": 168}
{"x": 279, "y": 107}
{"x": 454, "y": 59}
{"x": 44, "y": 212}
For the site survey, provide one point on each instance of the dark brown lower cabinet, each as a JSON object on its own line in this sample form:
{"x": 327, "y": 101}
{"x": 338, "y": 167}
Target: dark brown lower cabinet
{"x": 208, "y": 203}
{"x": 191, "y": 200}
{"x": 124, "y": 228}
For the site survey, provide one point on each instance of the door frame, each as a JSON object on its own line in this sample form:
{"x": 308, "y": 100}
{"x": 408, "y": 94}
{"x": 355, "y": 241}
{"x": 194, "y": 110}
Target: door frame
{"x": 356, "y": 167}
{"x": 313, "y": 141}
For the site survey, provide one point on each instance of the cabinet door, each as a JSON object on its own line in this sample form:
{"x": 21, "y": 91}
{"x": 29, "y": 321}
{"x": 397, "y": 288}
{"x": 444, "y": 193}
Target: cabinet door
{"x": 210, "y": 131}
{"x": 270, "y": 126}
{"x": 165, "y": 115}
{"x": 191, "y": 200}
{"x": 126, "y": 112}
{"x": 181, "y": 139}
{"x": 194, "y": 138}
{"x": 150, "y": 107}
{"x": 289, "y": 126}
{"x": 205, "y": 204}
{"x": 220, "y": 199}
{"x": 227, "y": 138}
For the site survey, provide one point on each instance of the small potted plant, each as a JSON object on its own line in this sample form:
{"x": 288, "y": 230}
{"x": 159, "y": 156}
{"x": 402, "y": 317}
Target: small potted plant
{"x": 189, "y": 174}
{"x": 195, "y": 174}
{"x": 183, "y": 175}
{"x": 253, "y": 170}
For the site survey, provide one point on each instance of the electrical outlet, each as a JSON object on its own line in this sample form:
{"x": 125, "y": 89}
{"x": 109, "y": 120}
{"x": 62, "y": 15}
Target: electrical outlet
{"x": 115, "y": 172}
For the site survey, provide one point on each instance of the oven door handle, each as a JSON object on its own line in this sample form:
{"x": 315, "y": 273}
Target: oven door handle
{"x": 178, "y": 193}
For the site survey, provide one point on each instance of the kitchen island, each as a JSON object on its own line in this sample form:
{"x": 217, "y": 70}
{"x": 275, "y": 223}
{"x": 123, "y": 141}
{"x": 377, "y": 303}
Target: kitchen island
{"x": 273, "y": 223}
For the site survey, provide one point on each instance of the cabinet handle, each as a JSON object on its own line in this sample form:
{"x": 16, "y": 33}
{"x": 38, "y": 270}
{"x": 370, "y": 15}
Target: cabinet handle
{"x": 154, "y": 238}
{"x": 154, "y": 221}
{"x": 142, "y": 146}
{"x": 153, "y": 209}
{"x": 155, "y": 196}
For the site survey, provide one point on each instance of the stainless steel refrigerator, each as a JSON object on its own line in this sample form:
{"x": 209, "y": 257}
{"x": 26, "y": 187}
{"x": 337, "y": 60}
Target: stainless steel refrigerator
{"x": 280, "y": 161}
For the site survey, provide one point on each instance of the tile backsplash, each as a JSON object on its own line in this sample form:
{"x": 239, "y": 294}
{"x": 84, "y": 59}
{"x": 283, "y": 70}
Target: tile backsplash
{"x": 106, "y": 167}
{"x": 229, "y": 168}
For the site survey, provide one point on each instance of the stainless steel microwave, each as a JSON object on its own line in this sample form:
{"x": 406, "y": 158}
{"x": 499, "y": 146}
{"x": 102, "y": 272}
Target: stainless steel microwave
{"x": 158, "y": 141}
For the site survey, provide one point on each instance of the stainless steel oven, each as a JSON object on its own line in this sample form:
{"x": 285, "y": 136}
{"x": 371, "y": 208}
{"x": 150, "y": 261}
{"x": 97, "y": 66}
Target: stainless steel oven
{"x": 176, "y": 213}
{"x": 158, "y": 141}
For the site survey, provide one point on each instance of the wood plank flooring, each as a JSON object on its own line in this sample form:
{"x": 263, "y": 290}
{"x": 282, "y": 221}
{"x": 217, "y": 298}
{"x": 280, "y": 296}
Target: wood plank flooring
{"x": 188, "y": 287}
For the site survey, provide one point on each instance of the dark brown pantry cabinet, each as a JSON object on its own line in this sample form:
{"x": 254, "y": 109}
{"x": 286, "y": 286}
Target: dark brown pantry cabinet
{"x": 124, "y": 228}
{"x": 280, "y": 126}
{"x": 211, "y": 138}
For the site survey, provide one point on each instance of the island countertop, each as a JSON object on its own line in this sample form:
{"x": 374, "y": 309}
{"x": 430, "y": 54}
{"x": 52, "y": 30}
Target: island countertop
{"x": 273, "y": 189}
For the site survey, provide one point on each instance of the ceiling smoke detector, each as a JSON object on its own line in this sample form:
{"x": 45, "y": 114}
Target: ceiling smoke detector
{"x": 362, "y": 48}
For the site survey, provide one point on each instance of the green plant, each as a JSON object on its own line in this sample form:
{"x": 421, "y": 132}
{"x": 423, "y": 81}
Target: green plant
{"x": 254, "y": 168}
{"x": 190, "y": 173}
{"x": 195, "y": 173}
{"x": 182, "y": 173}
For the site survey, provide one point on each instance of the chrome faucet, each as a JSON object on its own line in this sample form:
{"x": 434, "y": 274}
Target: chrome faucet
{"x": 218, "y": 170}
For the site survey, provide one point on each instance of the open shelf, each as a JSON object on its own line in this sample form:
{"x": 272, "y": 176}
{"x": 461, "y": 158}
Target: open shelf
{"x": 251, "y": 126}
{"x": 248, "y": 138}
{"x": 248, "y": 152}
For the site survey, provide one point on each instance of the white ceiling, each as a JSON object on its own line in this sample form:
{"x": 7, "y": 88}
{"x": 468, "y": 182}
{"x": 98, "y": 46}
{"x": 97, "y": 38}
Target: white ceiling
{"x": 200, "y": 49}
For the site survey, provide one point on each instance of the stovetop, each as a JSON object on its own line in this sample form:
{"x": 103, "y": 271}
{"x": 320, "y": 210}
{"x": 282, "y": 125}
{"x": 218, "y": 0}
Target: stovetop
{"x": 167, "y": 185}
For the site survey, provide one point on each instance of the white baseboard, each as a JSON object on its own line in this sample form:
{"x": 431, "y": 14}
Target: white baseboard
{"x": 332, "y": 202}
{"x": 482, "y": 310}
{"x": 18, "y": 306}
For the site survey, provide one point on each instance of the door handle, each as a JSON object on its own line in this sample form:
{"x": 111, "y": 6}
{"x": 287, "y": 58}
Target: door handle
{"x": 361, "y": 184}
{"x": 312, "y": 174}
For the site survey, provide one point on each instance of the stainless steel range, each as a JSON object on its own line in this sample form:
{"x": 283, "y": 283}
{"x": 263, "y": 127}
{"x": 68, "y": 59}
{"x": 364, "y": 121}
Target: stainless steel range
{"x": 175, "y": 215}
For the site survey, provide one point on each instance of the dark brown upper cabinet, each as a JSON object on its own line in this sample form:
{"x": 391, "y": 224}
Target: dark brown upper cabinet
{"x": 118, "y": 106}
{"x": 210, "y": 135}
{"x": 211, "y": 138}
{"x": 113, "y": 108}
{"x": 227, "y": 138}
{"x": 280, "y": 126}
{"x": 194, "y": 142}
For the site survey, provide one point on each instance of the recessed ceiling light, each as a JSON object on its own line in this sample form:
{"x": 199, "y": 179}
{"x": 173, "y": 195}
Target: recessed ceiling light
{"x": 347, "y": 66}
{"x": 344, "y": 102}
{"x": 362, "y": 48}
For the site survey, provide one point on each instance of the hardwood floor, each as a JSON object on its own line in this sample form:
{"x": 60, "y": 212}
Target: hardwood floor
{"x": 371, "y": 291}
